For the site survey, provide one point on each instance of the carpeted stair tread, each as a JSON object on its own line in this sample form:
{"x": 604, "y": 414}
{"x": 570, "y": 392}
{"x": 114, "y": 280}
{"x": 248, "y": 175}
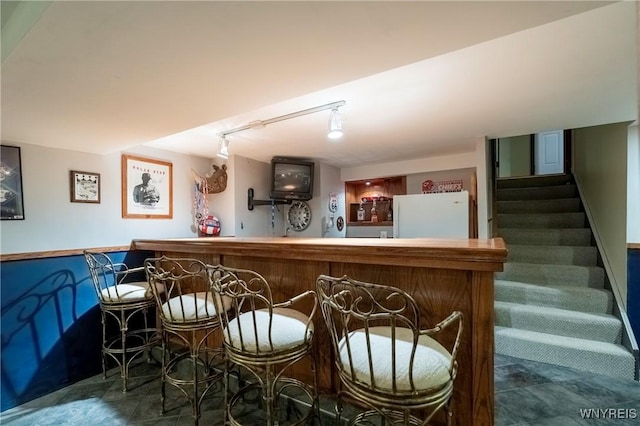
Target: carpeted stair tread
{"x": 550, "y": 301}
{"x": 561, "y": 205}
{"x": 537, "y": 236}
{"x": 561, "y": 322}
{"x": 587, "y": 355}
{"x": 534, "y": 181}
{"x": 554, "y": 255}
{"x": 541, "y": 220}
{"x": 538, "y": 193}
{"x": 563, "y": 297}
{"x": 555, "y": 275}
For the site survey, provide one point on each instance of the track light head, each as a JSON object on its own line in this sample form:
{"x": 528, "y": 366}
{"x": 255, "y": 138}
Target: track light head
{"x": 335, "y": 125}
{"x": 223, "y": 148}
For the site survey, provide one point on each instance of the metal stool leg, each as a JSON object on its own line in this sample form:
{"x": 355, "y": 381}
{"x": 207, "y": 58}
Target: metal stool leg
{"x": 163, "y": 383}
{"x": 124, "y": 366}
{"x": 104, "y": 344}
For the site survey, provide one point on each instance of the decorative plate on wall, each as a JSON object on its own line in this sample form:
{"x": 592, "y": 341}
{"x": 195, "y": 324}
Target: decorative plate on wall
{"x": 299, "y": 215}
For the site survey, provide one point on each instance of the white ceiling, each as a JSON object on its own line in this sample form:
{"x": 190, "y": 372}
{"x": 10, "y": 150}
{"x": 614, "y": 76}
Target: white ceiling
{"x": 419, "y": 78}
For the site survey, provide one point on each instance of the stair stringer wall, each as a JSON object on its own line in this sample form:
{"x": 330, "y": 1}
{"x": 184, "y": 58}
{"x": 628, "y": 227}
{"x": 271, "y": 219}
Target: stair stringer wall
{"x": 628, "y": 338}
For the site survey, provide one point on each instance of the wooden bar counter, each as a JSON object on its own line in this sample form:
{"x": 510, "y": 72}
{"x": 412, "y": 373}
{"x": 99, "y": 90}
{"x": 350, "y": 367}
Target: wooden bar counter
{"x": 442, "y": 275}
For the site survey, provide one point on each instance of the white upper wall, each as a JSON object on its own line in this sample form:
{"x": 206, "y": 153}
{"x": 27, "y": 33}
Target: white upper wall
{"x": 401, "y": 168}
{"x": 327, "y": 181}
{"x": 52, "y": 222}
{"x": 262, "y": 221}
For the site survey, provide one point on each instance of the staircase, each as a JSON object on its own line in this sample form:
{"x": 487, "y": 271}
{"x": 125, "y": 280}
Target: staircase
{"x": 550, "y": 302}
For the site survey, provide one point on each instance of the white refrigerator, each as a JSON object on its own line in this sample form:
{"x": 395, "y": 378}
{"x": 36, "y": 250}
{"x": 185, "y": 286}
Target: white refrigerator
{"x": 440, "y": 215}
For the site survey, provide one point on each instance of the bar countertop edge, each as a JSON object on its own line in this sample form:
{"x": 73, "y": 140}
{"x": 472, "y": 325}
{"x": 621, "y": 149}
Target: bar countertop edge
{"x": 469, "y": 254}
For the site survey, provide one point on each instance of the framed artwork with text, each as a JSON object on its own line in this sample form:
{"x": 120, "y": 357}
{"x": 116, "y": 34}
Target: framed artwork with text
{"x": 147, "y": 188}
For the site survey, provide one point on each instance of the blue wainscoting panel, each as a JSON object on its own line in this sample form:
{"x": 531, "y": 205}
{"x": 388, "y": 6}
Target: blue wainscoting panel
{"x": 50, "y": 323}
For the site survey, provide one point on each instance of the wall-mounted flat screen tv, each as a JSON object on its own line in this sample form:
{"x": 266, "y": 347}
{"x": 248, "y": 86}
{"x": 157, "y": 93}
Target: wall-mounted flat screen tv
{"x": 291, "y": 178}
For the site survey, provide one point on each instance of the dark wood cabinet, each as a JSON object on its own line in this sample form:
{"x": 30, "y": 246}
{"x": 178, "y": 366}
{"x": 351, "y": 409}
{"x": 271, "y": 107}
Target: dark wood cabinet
{"x": 382, "y": 190}
{"x": 382, "y": 207}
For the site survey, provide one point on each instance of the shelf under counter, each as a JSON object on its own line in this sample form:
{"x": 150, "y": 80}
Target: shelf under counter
{"x": 370, "y": 230}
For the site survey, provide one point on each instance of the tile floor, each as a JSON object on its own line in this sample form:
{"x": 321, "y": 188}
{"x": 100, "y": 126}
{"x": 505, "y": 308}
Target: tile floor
{"x": 527, "y": 393}
{"x": 533, "y": 393}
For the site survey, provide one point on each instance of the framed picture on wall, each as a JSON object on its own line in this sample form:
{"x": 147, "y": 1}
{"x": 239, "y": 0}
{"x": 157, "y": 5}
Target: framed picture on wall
{"x": 147, "y": 188}
{"x": 85, "y": 187}
{"x": 11, "y": 200}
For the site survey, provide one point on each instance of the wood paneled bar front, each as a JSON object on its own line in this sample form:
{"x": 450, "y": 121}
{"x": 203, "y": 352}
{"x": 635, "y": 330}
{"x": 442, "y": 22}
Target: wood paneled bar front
{"x": 443, "y": 275}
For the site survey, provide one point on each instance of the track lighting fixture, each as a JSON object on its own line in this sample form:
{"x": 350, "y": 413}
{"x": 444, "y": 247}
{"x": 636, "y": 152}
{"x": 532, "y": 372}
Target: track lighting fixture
{"x": 335, "y": 124}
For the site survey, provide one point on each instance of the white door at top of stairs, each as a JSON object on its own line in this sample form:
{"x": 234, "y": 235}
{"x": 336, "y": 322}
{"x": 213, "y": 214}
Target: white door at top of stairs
{"x": 549, "y": 152}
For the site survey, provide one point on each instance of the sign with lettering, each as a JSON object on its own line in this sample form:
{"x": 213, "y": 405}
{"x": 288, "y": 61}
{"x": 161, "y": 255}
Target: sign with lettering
{"x": 432, "y": 187}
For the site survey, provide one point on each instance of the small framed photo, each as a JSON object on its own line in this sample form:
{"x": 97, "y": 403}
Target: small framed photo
{"x": 147, "y": 188}
{"x": 85, "y": 187}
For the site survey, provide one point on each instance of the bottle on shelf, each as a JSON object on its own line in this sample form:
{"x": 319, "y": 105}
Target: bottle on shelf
{"x": 390, "y": 214}
{"x": 361, "y": 213}
{"x": 374, "y": 212}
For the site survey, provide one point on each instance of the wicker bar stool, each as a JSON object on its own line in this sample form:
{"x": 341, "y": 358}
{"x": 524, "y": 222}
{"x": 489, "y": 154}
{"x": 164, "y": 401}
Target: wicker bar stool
{"x": 384, "y": 360}
{"x": 266, "y": 338}
{"x": 126, "y": 304}
{"x": 190, "y": 362}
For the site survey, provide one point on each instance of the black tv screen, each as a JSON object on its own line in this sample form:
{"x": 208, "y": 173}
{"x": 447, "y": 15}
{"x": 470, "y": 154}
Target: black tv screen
{"x": 291, "y": 179}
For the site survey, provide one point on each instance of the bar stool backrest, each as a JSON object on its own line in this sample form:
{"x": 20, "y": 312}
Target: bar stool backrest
{"x": 257, "y": 325}
{"x": 114, "y": 282}
{"x": 181, "y": 289}
{"x": 349, "y": 305}
{"x": 247, "y": 292}
{"x": 377, "y": 341}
